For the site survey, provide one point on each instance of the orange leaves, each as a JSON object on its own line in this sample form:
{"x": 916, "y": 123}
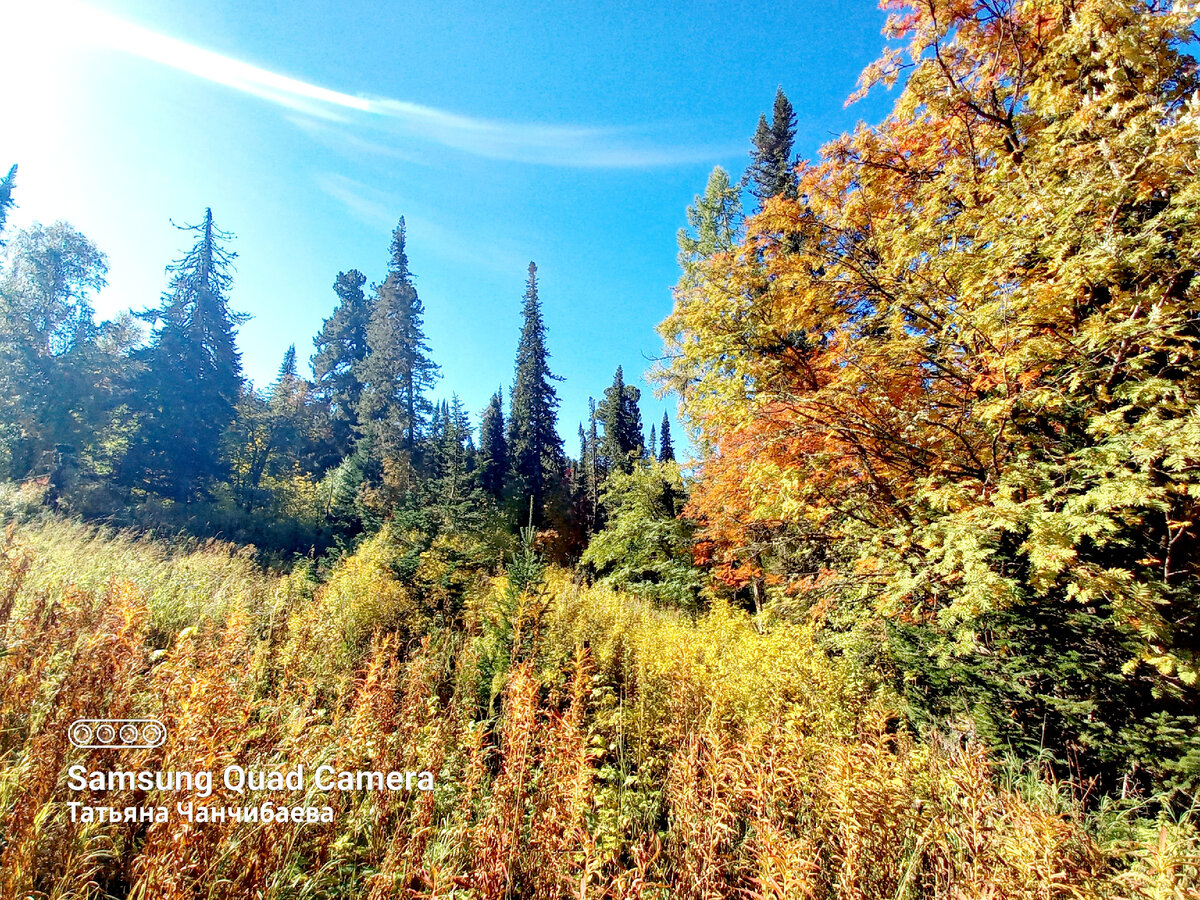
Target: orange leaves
{"x": 886, "y": 328}
{"x": 885, "y": 70}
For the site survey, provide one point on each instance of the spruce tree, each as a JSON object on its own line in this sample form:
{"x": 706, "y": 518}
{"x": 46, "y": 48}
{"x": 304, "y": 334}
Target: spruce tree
{"x": 772, "y": 170}
{"x": 7, "y": 183}
{"x": 397, "y": 371}
{"x": 433, "y": 444}
{"x": 493, "y": 448}
{"x": 287, "y": 368}
{"x": 623, "y": 440}
{"x": 192, "y": 371}
{"x": 452, "y": 453}
{"x": 666, "y": 450}
{"x": 535, "y": 450}
{"x": 341, "y": 347}
{"x": 290, "y": 419}
{"x": 652, "y": 445}
{"x": 594, "y": 468}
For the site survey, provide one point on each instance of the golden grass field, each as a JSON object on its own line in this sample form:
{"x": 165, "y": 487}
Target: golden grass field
{"x": 595, "y": 748}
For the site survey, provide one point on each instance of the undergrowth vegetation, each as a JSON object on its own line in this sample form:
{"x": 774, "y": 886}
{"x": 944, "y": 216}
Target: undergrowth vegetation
{"x": 583, "y": 743}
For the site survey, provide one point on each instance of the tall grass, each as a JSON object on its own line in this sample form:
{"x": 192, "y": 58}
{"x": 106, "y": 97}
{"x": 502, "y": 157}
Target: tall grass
{"x": 626, "y": 752}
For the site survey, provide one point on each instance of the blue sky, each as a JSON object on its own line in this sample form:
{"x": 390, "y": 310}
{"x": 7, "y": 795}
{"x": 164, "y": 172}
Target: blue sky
{"x": 572, "y": 134}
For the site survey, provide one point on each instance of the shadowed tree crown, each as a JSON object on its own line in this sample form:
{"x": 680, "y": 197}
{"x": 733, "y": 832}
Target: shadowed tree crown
{"x": 772, "y": 170}
{"x": 192, "y": 369}
{"x": 493, "y": 448}
{"x": 341, "y": 347}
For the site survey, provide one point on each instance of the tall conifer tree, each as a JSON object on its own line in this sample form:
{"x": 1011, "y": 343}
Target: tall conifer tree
{"x": 397, "y": 371}
{"x": 493, "y": 448}
{"x": 666, "y": 449}
{"x": 192, "y": 370}
{"x": 287, "y": 367}
{"x": 453, "y": 452}
{"x": 535, "y": 450}
{"x": 341, "y": 347}
{"x": 595, "y": 468}
{"x": 623, "y": 439}
{"x": 289, "y": 410}
{"x": 715, "y": 222}
{"x": 772, "y": 170}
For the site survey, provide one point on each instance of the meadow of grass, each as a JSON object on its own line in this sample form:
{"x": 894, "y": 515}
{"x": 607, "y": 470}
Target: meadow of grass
{"x": 585, "y": 744}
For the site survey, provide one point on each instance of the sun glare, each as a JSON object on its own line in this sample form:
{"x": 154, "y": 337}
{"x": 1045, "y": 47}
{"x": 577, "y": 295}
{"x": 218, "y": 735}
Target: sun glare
{"x": 56, "y": 25}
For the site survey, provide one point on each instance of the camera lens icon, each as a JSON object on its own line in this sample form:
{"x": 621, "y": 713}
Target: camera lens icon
{"x": 81, "y": 734}
{"x": 116, "y": 734}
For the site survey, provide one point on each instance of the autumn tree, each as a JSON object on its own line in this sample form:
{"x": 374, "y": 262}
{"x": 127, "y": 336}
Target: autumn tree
{"x": 715, "y": 221}
{"x": 951, "y": 384}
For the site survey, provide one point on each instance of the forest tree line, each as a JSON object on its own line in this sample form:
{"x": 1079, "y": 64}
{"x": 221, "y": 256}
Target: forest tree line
{"x": 146, "y": 420}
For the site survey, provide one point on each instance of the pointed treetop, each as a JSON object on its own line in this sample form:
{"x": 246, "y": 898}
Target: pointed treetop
{"x": 7, "y": 183}
{"x": 715, "y": 221}
{"x": 287, "y": 369}
{"x": 623, "y": 439}
{"x": 666, "y": 449}
{"x": 493, "y": 447}
{"x": 531, "y": 294}
{"x": 207, "y": 267}
{"x": 399, "y": 263}
{"x": 772, "y": 170}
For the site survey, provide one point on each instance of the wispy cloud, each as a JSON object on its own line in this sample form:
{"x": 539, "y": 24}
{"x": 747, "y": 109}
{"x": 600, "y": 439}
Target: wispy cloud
{"x": 546, "y": 144}
{"x": 334, "y": 136}
{"x": 380, "y": 209}
{"x": 368, "y": 205}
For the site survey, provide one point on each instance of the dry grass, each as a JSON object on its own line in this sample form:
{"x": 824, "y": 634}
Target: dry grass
{"x": 633, "y": 753}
